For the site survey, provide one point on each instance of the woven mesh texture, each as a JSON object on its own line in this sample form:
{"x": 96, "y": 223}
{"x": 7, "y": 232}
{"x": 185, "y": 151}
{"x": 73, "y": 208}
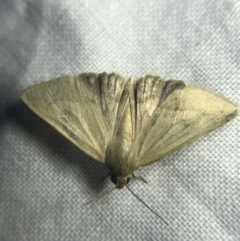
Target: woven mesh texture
{"x": 44, "y": 179}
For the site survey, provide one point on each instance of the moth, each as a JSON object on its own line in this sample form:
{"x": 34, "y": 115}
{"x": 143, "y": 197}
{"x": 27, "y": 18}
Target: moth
{"x": 128, "y": 124}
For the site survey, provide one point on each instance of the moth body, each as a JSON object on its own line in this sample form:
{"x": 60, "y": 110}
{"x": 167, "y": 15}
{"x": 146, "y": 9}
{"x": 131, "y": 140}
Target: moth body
{"x": 118, "y": 154}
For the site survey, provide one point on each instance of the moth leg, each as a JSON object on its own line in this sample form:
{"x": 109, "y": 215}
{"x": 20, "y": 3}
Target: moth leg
{"x": 140, "y": 177}
{"x": 108, "y": 175}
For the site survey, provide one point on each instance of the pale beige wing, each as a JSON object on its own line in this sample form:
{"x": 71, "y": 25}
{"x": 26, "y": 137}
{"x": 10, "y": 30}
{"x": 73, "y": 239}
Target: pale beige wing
{"x": 150, "y": 92}
{"x": 181, "y": 117}
{"x": 86, "y": 109}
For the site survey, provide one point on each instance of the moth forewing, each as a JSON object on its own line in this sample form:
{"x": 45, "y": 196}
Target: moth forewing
{"x": 80, "y": 108}
{"x": 186, "y": 115}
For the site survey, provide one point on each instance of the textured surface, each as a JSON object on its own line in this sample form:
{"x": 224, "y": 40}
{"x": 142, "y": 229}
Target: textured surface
{"x": 44, "y": 179}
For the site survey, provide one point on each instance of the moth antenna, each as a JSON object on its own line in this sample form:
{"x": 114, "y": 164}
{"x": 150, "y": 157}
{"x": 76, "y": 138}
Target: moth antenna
{"x": 146, "y": 204}
{"x": 100, "y": 197}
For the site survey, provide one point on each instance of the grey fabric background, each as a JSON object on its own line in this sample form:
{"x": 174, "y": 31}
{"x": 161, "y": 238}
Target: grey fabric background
{"x": 44, "y": 179}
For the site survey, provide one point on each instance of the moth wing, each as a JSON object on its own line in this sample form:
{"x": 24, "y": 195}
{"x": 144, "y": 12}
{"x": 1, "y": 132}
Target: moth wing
{"x": 182, "y": 115}
{"x": 86, "y": 109}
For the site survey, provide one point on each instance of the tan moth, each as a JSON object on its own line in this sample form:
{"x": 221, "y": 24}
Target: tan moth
{"x": 126, "y": 125}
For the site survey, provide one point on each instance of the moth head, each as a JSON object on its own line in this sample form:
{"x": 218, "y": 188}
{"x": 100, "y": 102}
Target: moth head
{"x": 119, "y": 181}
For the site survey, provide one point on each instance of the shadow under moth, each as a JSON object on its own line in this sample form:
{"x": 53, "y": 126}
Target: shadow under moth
{"x": 128, "y": 124}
